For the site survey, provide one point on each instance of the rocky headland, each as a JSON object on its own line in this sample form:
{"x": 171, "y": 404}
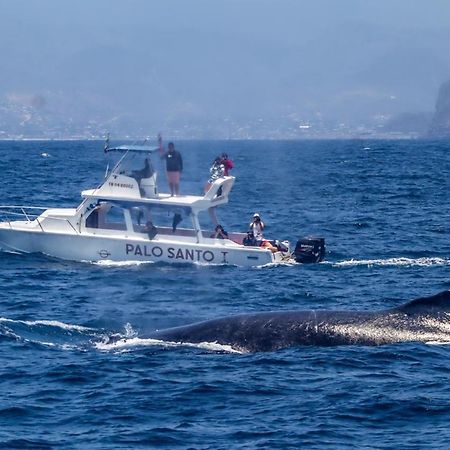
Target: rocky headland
{"x": 440, "y": 124}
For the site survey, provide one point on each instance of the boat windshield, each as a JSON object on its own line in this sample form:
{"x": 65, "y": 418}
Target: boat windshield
{"x": 136, "y": 165}
{"x": 167, "y": 218}
{"x": 112, "y": 215}
{"x": 131, "y": 160}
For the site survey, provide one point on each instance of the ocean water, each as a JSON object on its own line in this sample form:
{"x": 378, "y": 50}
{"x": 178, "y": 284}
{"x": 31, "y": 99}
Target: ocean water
{"x": 383, "y": 208}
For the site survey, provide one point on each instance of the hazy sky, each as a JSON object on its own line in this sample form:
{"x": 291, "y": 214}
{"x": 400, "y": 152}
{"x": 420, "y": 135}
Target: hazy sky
{"x": 195, "y": 60}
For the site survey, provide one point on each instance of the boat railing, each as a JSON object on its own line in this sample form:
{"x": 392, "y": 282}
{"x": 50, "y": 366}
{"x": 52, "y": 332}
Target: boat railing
{"x": 11, "y": 213}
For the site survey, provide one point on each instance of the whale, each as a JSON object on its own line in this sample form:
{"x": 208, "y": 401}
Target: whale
{"x": 424, "y": 319}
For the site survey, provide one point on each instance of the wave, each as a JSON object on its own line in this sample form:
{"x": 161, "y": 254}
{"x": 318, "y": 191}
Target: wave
{"x": 10, "y": 251}
{"x": 401, "y": 261}
{"x": 50, "y": 333}
{"x": 49, "y": 323}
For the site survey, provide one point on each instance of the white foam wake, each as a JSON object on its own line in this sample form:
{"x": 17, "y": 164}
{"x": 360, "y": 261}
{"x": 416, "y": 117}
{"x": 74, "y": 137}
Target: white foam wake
{"x": 49, "y": 323}
{"x": 284, "y": 262}
{"x": 406, "y": 262}
{"x": 110, "y": 263}
{"x": 127, "y": 344}
{"x": 127, "y": 340}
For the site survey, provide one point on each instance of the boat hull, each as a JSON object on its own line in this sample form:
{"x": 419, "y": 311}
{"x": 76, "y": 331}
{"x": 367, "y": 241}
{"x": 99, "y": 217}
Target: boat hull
{"x": 86, "y": 247}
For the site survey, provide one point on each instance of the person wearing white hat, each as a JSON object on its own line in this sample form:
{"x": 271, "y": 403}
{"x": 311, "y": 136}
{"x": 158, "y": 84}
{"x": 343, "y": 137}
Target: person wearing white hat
{"x": 257, "y": 227}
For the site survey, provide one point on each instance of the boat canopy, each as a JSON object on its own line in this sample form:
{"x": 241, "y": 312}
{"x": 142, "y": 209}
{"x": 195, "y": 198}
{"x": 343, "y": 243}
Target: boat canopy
{"x": 121, "y": 188}
{"x": 132, "y": 148}
{"x": 127, "y": 204}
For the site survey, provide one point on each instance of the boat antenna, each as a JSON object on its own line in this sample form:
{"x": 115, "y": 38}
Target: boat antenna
{"x": 106, "y": 143}
{"x": 105, "y": 150}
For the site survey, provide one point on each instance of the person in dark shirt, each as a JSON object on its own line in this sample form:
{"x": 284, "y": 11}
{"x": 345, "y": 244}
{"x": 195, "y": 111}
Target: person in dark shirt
{"x": 150, "y": 229}
{"x": 249, "y": 240}
{"x": 219, "y": 233}
{"x": 146, "y": 172}
{"x": 174, "y": 166}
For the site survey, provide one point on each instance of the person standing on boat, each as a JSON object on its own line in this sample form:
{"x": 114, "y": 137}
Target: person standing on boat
{"x": 227, "y": 163}
{"x": 174, "y": 166}
{"x": 216, "y": 171}
{"x": 257, "y": 227}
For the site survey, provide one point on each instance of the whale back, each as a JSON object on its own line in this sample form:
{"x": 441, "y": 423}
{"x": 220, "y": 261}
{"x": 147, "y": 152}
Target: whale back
{"x": 274, "y": 330}
{"x": 439, "y": 303}
{"x": 250, "y": 332}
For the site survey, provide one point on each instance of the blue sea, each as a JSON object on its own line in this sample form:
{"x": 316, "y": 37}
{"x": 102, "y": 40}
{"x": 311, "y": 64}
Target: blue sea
{"x": 383, "y": 208}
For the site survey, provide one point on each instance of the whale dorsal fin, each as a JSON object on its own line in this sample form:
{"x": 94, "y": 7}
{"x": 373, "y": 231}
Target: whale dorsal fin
{"x": 439, "y": 301}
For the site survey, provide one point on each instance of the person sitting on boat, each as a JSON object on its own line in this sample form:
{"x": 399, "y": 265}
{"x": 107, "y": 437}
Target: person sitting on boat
{"x": 257, "y": 227}
{"x": 219, "y": 233}
{"x": 249, "y": 240}
{"x": 216, "y": 171}
{"x": 146, "y": 172}
{"x": 150, "y": 229}
{"x": 267, "y": 244}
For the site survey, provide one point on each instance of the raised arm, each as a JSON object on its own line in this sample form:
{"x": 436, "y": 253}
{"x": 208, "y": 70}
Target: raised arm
{"x": 161, "y": 148}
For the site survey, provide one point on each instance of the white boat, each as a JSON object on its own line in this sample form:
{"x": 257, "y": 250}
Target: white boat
{"x": 127, "y": 219}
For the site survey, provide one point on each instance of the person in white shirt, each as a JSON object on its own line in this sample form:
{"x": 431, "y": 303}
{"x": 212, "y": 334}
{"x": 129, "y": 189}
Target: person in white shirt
{"x": 257, "y": 227}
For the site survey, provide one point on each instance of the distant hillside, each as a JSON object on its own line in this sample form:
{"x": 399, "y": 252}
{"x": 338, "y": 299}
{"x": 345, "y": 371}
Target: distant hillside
{"x": 415, "y": 123}
{"x": 440, "y": 125}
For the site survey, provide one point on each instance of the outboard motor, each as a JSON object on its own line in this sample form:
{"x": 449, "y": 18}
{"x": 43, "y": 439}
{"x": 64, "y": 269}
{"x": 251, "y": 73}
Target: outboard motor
{"x": 310, "y": 250}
